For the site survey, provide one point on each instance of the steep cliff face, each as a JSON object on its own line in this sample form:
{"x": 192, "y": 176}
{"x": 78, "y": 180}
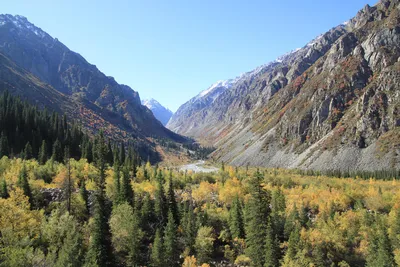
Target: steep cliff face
{"x": 53, "y": 63}
{"x": 333, "y": 104}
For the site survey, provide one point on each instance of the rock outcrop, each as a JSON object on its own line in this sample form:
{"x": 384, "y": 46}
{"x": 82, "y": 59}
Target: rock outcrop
{"x": 333, "y": 104}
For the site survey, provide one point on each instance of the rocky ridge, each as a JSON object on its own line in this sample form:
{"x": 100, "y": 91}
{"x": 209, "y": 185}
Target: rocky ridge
{"x": 333, "y": 104}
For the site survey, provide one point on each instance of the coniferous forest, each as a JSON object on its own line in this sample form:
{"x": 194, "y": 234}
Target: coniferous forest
{"x": 64, "y": 204}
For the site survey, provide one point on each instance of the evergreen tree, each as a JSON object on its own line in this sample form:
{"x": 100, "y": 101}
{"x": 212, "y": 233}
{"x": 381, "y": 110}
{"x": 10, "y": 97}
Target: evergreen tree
{"x": 57, "y": 151}
{"x": 380, "y": 250}
{"x": 28, "y": 151}
{"x": 4, "y": 149}
{"x": 134, "y": 252}
{"x": 272, "y": 252}
{"x": 84, "y": 195}
{"x": 204, "y": 244}
{"x": 170, "y": 242}
{"x": 67, "y": 186}
{"x": 157, "y": 257}
{"x": 126, "y": 191}
{"x": 278, "y": 208}
{"x": 236, "y": 224}
{"x": 257, "y": 211}
{"x": 172, "y": 205}
{"x": 148, "y": 216}
{"x": 293, "y": 244}
{"x": 189, "y": 228}
{"x": 3, "y": 189}
{"x": 43, "y": 153}
{"x": 291, "y": 222}
{"x": 24, "y": 184}
{"x": 99, "y": 249}
{"x": 318, "y": 256}
{"x": 117, "y": 182}
{"x": 160, "y": 202}
{"x": 122, "y": 153}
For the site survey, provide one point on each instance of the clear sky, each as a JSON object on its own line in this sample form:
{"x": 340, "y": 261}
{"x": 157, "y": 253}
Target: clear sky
{"x": 171, "y": 50}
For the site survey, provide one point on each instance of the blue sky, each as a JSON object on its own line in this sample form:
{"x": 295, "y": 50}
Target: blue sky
{"x": 171, "y": 50}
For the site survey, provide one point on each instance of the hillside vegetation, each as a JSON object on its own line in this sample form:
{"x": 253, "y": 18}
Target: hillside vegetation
{"x": 75, "y": 213}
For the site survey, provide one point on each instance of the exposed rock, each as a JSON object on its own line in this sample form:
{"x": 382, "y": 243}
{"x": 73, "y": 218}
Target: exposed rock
{"x": 332, "y": 104}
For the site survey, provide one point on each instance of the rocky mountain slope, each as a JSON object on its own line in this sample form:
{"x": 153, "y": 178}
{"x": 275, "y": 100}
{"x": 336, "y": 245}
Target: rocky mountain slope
{"x": 161, "y": 113}
{"x": 42, "y": 69}
{"x": 333, "y": 104}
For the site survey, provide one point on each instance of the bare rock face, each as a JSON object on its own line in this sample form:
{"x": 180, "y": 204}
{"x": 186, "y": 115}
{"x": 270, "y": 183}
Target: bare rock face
{"x": 332, "y": 104}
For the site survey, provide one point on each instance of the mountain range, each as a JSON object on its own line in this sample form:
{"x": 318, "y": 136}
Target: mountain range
{"x": 332, "y": 104}
{"x": 161, "y": 113}
{"x": 44, "y": 71}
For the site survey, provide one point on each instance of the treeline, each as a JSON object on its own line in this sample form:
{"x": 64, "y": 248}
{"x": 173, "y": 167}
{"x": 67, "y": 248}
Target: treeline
{"x": 29, "y": 132}
{"x": 388, "y": 174}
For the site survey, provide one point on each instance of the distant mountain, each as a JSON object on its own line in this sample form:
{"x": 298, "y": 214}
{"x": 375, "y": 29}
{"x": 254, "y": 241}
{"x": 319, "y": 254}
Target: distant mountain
{"x": 179, "y": 121}
{"x": 332, "y": 104}
{"x": 44, "y": 71}
{"x": 161, "y": 113}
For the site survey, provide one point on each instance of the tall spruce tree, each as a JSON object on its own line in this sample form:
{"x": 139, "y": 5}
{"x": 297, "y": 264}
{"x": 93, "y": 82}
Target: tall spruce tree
{"x": 57, "y": 151}
{"x": 28, "y": 154}
{"x": 172, "y": 205}
{"x": 100, "y": 252}
{"x": 126, "y": 191}
{"x": 236, "y": 224}
{"x": 171, "y": 242}
{"x": 157, "y": 257}
{"x": 42, "y": 153}
{"x": 24, "y": 184}
{"x": 278, "y": 207}
{"x": 257, "y": 212}
{"x": 160, "y": 201}
{"x": 380, "y": 251}
{"x": 117, "y": 182}
{"x": 4, "y": 149}
{"x": 3, "y": 189}
{"x": 272, "y": 251}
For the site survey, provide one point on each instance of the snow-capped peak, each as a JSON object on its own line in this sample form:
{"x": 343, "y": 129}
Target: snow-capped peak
{"x": 22, "y": 23}
{"x": 223, "y": 83}
{"x": 152, "y": 103}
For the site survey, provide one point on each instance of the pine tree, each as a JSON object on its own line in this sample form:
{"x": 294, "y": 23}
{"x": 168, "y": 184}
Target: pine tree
{"x": 43, "y": 153}
{"x": 134, "y": 252}
{"x": 257, "y": 211}
{"x": 318, "y": 256}
{"x": 236, "y": 224}
{"x": 293, "y": 244}
{"x": 67, "y": 186}
{"x": 278, "y": 208}
{"x": 172, "y": 205}
{"x": 4, "y": 149}
{"x": 28, "y": 151}
{"x": 189, "y": 228}
{"x": 3, "y": 189}
{"x": 117, "y": 182}
{"x": 126, "y": 191}
{"x": 272, "y": 253}
{"x": 84, "y": 195}
{"x": 380, "y": 251}
{"x": 290, "y": 222}
{"x": 157, "y": 257}
{"x": 148, "y": 217}
{"x": 160, "y": 202}
{"x": 57, "y": 151}
{"x": 170, "y": 242}
{"x": 99, "y": 249}
{"x": 24, "y": 184}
